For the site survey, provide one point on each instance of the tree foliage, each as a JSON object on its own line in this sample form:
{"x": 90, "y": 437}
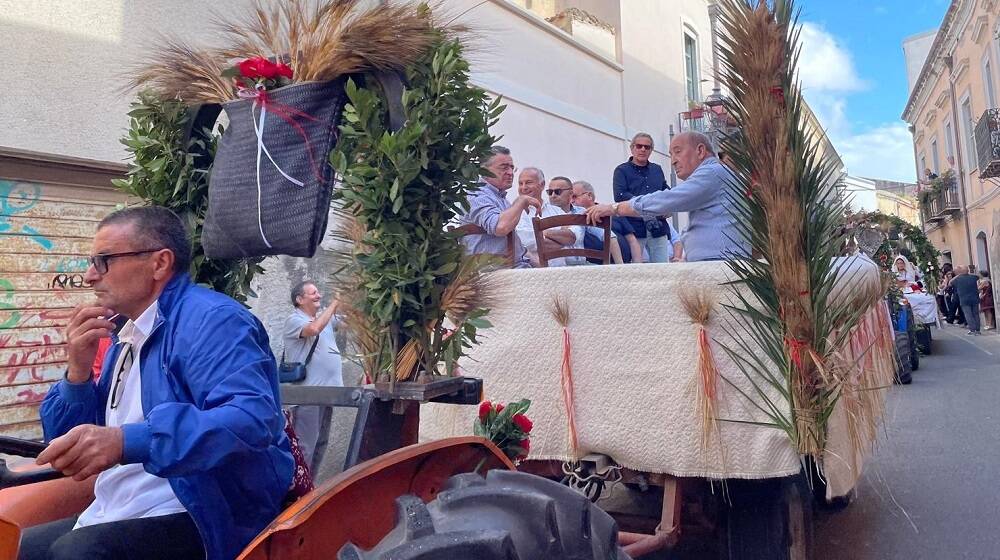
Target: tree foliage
{"x": 165, "y": 171}
{"x": 401, "y": 189}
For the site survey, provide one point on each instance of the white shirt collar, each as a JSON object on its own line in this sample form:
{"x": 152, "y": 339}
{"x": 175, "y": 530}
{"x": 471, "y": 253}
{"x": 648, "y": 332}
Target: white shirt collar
{"x": 135, "y": 332}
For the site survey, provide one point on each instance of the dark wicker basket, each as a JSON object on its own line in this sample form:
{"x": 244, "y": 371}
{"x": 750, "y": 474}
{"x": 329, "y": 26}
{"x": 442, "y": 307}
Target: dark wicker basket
{"x": 274, "y": 216}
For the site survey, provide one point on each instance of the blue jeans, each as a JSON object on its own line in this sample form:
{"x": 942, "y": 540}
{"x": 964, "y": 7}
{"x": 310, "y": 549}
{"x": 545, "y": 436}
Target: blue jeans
{"x": 656, "y": 248}
{"x": 170, "y": 537}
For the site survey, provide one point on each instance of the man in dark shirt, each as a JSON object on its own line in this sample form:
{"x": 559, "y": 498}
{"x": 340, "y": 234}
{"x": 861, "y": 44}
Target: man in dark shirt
{"x": 967, "y": 288}
{"x": 639, "y": 176}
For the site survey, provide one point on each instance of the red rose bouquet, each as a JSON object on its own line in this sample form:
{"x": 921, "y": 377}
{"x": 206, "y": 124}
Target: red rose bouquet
{"x": 506, "y": 426}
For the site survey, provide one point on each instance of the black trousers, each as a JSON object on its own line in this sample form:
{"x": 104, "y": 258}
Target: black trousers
{"x": 168, "y": 537}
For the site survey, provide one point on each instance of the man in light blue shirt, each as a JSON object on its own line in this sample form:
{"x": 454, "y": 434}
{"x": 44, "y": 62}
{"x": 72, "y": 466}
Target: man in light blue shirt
{"x": 490, "y": 210}
{"x": 712, "y": 234}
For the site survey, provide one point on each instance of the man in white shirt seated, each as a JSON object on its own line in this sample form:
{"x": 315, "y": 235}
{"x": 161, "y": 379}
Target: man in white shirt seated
{"x": 531, "y": 182}
{"x": 560, "y": 193}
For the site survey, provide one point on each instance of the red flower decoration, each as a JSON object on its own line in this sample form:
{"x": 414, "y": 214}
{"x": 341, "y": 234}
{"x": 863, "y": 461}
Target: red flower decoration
{"x": 484, "y": 410}
{"x": 522, "y": 422}
{"x": 778, "y": 93}
{"x": 526, "y": 445}
{"x": 258, "y": 67}
{"x": 284, "y": 70}
{"x": 498, "y": 407}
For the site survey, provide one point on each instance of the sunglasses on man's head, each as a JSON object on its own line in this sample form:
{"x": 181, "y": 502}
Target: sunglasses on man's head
{"x": 552, "y": 192}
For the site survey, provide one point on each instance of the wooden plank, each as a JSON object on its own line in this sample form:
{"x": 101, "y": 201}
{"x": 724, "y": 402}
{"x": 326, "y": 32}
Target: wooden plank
{"x": 56, "y": 226}
{"x": 26, "y": 375}
{"x": 37, "y": 243}
{"x": 42, "y": 263}
{"x": 33, "y": 355}
{"x": 23, "y": 394}
{"x": 27, "y": 430}
{"x": 31, "y": 336}
{"x": 52, "y": 317}
{"x": 44, "y": 299}
{"x": 28, "y": 208}
{"x": 19, "y": 413}
{"x": 22, "y": 193}
{"x": 61, "y": 281}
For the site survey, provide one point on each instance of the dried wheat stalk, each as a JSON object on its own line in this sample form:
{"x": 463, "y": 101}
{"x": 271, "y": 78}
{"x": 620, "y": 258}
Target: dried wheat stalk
{"x": 698, "y": 303}
{"x": 320, "y": 40}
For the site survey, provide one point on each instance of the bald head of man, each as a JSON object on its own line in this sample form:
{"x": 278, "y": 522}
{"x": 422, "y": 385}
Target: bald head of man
{"x": 687, "y": 151}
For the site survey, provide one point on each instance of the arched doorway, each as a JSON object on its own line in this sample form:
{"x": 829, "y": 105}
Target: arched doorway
{"x": 982, "y": 252}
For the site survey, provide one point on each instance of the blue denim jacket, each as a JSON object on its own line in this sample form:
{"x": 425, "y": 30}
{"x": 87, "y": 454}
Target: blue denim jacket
{"x": 214, "y": 426}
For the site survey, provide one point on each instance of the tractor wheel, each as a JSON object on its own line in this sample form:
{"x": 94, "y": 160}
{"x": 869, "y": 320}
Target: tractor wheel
{"x": 506, "y": 516}
{"x": 769, "y": 519}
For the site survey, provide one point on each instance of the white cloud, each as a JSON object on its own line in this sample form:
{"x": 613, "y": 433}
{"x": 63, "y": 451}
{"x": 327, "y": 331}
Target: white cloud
{"x": 884, "y": 152}
{"x": 825, "y": 65}
{"x": 828, "y": 77}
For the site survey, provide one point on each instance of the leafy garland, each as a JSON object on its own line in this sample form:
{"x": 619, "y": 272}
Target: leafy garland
{"x": 400, "y": 190}
{"x": 164, "y": 172}
{"x": 903, "y": 238}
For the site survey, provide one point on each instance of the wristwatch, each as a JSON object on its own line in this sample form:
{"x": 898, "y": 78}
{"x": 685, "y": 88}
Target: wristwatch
{"x": 614, "y": 208}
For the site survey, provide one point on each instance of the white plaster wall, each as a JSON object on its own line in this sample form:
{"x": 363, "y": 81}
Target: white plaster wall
{"x": 67, "y": 62}
{"x": 571, "y": 110}
{"x": 860, "y": 194}
{"x": 915, "y": 51}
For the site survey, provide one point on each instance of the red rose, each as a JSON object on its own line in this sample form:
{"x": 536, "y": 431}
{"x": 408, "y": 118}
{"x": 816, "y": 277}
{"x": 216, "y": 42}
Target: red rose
{"x": 522, "y": 422}
{"x": 499, "y": 408}
{"x": 259, "y": 67}
{"x": 284, "y": 70}
{"x": 484, "y": 410}
{"x": 526, "y": 445}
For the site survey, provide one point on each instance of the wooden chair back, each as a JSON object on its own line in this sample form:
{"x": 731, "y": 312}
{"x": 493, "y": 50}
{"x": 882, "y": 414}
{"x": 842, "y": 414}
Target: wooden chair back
{"x": 545, "y": 255}
{"x": 474, "y": 229}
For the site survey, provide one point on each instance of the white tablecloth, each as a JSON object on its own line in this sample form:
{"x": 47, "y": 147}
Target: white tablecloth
{"x": 634, "y": 356}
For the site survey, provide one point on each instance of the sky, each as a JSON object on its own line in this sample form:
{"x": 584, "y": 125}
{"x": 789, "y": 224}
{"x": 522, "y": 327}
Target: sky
{"x": 854, "y": 78}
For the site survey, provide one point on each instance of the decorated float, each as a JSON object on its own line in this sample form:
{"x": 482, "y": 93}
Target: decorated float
{"x": 751, "y": 383}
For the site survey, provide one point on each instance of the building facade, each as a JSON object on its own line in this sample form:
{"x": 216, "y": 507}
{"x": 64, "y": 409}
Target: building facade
{"x": 579, "y": 78}
{"x": 952, "y": 97}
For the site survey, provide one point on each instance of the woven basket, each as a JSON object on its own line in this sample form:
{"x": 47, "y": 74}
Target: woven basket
{"x": 255, "y": 210}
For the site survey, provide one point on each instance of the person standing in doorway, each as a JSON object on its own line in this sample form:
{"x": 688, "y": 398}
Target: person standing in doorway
{"x": 636, "y": 177}
{"x": 307, "y": 322}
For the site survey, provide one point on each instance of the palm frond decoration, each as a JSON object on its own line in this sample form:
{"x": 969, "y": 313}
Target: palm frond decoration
{"x": 789, "y": 317}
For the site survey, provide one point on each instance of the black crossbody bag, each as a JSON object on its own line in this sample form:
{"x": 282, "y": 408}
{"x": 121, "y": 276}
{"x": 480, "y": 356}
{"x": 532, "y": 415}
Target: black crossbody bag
{"x": 293, "y": 372}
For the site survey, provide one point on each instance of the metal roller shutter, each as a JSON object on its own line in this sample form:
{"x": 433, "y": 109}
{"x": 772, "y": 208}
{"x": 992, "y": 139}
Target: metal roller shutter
{"x": 45, "y": 237}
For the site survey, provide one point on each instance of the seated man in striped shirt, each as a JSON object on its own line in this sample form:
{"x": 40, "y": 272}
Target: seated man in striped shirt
{"x": 490, "y": 210}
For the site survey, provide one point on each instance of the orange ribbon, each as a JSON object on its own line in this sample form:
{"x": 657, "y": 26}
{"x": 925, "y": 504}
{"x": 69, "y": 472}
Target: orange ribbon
{"x": 567, "y": 390}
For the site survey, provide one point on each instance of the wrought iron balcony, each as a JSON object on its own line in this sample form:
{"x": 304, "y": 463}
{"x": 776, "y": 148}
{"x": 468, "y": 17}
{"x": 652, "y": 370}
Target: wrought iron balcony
{"x": 936, "y": 207}
{"x": 988, "y": 144}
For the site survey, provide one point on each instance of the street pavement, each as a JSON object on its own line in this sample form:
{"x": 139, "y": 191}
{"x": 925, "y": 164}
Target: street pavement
{"x": 930, "y": 490}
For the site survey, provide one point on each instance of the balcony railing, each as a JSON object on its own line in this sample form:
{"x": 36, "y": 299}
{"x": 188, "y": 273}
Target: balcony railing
{"x": 938, "y": 206}
{"x": 988, "y": 144}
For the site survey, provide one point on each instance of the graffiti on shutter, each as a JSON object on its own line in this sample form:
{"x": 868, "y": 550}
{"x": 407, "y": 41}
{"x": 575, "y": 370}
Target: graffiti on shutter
{"x": 45, "y": 235}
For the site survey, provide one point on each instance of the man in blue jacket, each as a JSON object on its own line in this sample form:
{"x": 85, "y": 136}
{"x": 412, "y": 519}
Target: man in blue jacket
{"x": 184, "y": 428}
